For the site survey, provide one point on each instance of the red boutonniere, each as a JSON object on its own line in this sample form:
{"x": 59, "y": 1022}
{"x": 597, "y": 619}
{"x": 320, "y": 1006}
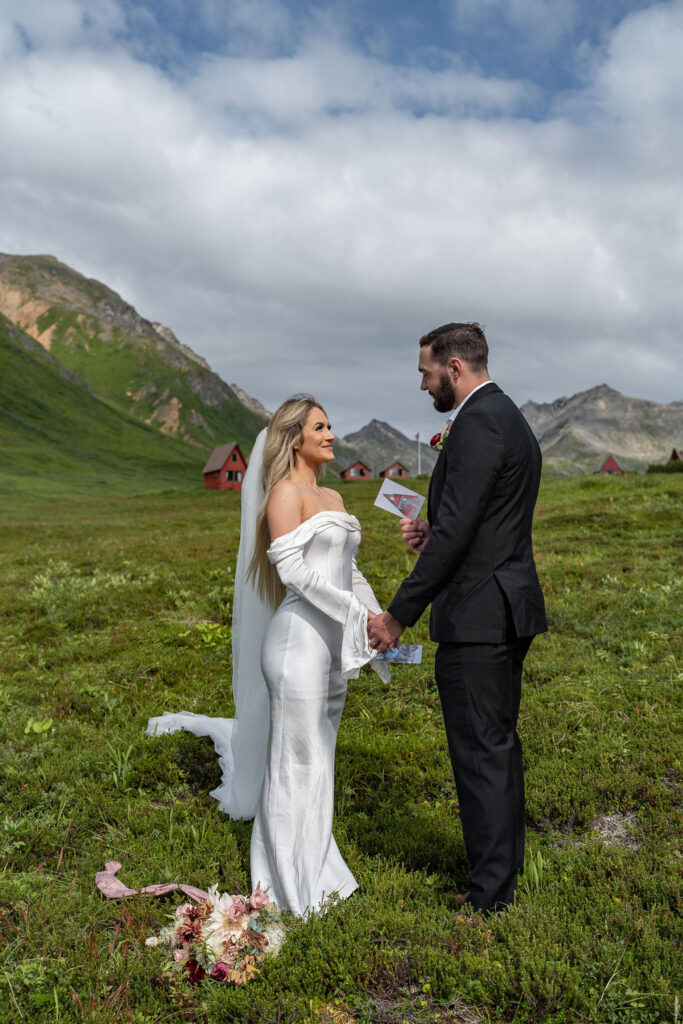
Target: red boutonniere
{"x": 439, "y": 440}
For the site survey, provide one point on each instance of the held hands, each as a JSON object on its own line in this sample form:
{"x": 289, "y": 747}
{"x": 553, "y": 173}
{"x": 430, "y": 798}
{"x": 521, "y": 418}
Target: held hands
{"x": 415, "y": 532}
{"x": 383, "y": 631}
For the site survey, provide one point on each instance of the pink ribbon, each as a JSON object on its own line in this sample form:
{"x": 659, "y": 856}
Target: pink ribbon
{"x": 113, "y": 888}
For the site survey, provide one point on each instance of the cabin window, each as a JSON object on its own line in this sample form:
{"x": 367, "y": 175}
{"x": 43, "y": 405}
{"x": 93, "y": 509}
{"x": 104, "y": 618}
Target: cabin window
{"x": 238, "y": 476}
{"x": 234, "y": 456}
{"x": 229, "y": 475}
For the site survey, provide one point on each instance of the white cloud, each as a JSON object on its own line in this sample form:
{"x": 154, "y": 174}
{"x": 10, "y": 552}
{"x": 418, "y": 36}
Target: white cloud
{"x": 642, "y": 79}
{"x": 298, "y": 226}
{"x": 326, "y": 77}
{"x": 542, "y": 23}
{"x": 56, "y": 24}
{"x": 35, "y": 23}
{"x": 259, "y": 26}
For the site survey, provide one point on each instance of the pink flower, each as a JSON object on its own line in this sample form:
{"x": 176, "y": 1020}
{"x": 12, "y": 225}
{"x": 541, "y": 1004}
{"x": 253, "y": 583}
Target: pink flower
{"x": 258, "y": 899}
{"x": 183, "y": 910}
{"x": 220, "y": 972}
{"x": 237, "y": 910}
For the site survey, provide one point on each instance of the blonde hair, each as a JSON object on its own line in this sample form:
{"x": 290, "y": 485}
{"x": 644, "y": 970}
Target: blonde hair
{"x": 285, "y": 430}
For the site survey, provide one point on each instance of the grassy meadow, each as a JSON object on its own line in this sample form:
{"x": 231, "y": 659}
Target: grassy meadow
{"x": 113, "y": 609}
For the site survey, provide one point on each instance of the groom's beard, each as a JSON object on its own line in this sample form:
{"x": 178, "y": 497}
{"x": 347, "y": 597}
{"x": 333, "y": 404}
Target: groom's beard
{"x": 444, "y": 398}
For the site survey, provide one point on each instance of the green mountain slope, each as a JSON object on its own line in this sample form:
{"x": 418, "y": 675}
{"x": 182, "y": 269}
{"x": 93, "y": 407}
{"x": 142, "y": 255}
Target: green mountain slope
{"x": 136, "y": 364}
{"x": 58, "y": 439}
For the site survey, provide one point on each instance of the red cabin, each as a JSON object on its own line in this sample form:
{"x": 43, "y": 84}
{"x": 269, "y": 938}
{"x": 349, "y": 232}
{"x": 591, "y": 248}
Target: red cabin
{"x": 396, "y": 470}
{"x": 676, "y": 455}
{"x": 358, "y": 471}
{"x": 611, "y": 467}
{"x": 225, "y": 468}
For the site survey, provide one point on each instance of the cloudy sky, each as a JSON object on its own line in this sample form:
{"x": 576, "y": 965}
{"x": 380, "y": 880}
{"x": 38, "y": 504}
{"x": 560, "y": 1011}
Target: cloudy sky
{"x": 300, "y": 189}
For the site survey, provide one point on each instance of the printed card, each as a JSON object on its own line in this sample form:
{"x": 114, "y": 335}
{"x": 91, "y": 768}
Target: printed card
{"x": 400, "y": 500}
{"x": 403, "y": 654}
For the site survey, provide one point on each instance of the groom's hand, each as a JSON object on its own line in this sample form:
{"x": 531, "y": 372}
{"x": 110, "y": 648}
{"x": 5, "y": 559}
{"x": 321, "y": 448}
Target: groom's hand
{"x": 415, "y": 532}
{"x": 384, "y": 631}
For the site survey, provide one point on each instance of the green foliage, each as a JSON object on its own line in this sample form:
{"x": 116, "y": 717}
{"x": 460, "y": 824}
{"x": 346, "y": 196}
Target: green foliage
{"x": 59, "y": 440}
{"x": 667, "y": 467}
{"x": 118, "y": 364}
{"x": 113, "y": 609}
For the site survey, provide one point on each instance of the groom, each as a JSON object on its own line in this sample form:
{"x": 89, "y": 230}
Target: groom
{"x": 477, "y": 570}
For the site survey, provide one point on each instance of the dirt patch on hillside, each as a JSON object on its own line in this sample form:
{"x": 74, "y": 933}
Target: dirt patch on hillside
{"x": 167, "y": 416}
{"x": 25, "y": 311}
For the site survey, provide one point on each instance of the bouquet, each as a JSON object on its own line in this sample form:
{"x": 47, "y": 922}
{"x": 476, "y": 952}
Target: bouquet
{"x": 223, "y": 937}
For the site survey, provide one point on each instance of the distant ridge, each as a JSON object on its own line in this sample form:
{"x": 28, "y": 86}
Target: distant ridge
{"x": 62, "y": 326}
{"x": 380, "y": 444}
{"x": 576, "y": 434}
{"x": 135, "y": 363}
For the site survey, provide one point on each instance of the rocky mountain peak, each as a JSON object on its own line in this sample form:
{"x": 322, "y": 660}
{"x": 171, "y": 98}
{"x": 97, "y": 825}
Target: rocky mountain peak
{"x": 50, "y": 282}
{"x": 138, "y": 364}
{"x": 577, "y": 433}
{"x": 379, "y": 444}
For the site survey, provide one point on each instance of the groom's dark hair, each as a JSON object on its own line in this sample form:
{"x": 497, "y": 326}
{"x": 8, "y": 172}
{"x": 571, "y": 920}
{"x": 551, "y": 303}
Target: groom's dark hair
{"x": 466, "y": 341}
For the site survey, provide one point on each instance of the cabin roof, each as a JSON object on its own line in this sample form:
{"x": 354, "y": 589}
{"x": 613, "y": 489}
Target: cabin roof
{"x": 614, "y": 459}
{"x": 218, "y": 456}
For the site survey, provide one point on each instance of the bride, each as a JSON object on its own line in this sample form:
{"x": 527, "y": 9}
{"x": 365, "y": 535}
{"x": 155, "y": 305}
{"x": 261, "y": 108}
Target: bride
{"x": 299, "y": 632}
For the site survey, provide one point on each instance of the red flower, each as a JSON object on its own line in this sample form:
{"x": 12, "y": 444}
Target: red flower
{"x": 439, "y": 440}
{"x": 196, "y": 971}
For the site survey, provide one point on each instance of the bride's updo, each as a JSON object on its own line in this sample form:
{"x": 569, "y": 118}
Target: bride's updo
{"x": 285, "y": 430}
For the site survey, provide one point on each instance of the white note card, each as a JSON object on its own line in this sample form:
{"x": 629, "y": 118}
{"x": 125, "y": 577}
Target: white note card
{"x": 400, "y": 500}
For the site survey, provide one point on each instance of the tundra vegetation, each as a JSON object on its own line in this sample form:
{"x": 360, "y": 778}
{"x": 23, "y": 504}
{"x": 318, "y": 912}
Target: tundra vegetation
{"x": 115, "y": 608}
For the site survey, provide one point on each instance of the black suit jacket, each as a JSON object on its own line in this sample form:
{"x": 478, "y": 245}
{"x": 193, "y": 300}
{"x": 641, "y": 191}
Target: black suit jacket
{"x": 478, "y": 563}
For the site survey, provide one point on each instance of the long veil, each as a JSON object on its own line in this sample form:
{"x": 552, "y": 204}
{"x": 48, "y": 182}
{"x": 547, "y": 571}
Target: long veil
{"x": 241, "y": 741}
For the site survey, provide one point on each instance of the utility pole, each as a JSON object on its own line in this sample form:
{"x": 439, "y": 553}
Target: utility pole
{"x": 419, "y": 454}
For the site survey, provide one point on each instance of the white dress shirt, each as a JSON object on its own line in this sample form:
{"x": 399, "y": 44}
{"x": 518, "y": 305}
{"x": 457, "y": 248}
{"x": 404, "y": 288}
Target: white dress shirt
{"x": 459, "y": 407}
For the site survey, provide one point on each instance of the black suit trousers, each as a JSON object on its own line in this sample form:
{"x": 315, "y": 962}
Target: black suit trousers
{"x": 479, "y": 687}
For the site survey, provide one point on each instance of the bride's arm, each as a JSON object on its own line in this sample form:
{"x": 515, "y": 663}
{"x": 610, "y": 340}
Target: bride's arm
{"x": 340, "y": 605}
{"x": 363, "y": 590}
{"x": 310, "y": 585}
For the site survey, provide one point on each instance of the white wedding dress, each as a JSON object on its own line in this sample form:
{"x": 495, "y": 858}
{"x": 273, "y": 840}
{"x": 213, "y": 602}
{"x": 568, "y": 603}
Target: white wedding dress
{"x": 316, "y": 640}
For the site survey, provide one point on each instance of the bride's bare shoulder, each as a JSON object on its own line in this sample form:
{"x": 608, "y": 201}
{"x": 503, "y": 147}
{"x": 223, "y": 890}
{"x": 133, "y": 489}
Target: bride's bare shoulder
{"x": 333, "y": 499}
{"x": 283, "y": 490}
{"x": 284, "y": 509}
